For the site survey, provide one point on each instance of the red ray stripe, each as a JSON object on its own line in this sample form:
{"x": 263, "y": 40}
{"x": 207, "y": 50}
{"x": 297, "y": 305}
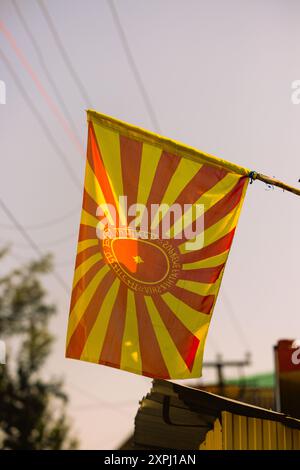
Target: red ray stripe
{"x": 221, "y": 208}
{"x": 203, "y": 181}
{"x": 216, "y": 248}
{"x": 225, "y": 205}
{"x": 84, "y": 281}
{"x": 166, "y": 168}
{"x": 86, "y": 232}
{"x": 206, "y": 275}
{"x": 201, "y": 303}
{"x": 185, "y": 341}
{"x": 192, "y": 354}
{"x": 131, "y": 157}
{"x": 112, "y": 347}
{"x": 89, "y": 317}
{"x": 153, "y": 363}
{"x": 87, "y": 253}
{"x": 96, "y": 162}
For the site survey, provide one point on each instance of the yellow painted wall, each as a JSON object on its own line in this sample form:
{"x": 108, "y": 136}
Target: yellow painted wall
{"x": 236, "y": 432}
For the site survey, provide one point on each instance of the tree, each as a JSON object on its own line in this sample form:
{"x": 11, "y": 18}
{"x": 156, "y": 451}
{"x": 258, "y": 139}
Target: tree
{"x": 32, "y": 409}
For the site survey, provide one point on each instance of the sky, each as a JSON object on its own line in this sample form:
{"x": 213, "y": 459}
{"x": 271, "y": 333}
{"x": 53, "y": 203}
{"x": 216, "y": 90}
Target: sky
{"x": 218, "y": 76}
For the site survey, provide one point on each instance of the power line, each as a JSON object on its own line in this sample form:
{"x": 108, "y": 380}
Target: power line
{"x": 213, "y": 343}
{"x": 46, "y": 70}
{"x": 241, "y": 333}
{"x": 31, "y": 242}
{"x": 42, "y": 123}
{"x": 64, "y": 53}
{"x": 40, "y": 56}
{"x": 23, "y": 259}
{"x": 47, "y": 224}
{"x": 39, "y": 86}
{"x": 133, "y": 66}
{"x": 98, "y": 401}
{"x": 56, "y": 242}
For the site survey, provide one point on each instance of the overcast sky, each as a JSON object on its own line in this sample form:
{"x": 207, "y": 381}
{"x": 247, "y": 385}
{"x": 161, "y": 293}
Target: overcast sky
{"x": 218, "y": 75}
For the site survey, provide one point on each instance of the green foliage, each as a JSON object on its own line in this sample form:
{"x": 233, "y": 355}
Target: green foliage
{"x": 22, "y": 298}
{"x": 32, "y": 408}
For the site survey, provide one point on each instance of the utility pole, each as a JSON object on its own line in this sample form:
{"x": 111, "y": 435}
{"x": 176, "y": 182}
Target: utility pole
{"x": 220, "y": 365}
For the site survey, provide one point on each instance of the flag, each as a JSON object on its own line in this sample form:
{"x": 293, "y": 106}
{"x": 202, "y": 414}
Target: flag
{"x": 157, "y": 223}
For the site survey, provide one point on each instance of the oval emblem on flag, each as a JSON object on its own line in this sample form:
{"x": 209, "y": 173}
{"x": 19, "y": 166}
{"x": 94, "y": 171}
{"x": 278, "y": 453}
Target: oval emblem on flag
{"x": 151, "y": 266}
{"x": 142, "y": 260}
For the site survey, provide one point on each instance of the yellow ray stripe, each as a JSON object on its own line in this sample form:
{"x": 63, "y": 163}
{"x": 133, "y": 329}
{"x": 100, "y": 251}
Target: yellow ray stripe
{"x": 175, "y": 364}
{"x": 84, "y": 244}
{"x": 109, "y": 144}
{"x": 88, "y": 219}
{"x": 131, "y": 354}
{"x": 199, "y": 287}
{"x": 207, "y": 263}
{"x": 94, "y": 190}
{"x": 192, "y": 319}
{"x": 93, "y": 346}
{"x": 185, "y": 171}
{"x": 84, "y": 300}
{"x": 209, "y": 199}
{"x": 85, "y": 266}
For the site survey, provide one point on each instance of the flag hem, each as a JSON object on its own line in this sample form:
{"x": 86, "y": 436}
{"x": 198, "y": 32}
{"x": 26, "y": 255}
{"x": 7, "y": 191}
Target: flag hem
{"x": 165, "y": 143}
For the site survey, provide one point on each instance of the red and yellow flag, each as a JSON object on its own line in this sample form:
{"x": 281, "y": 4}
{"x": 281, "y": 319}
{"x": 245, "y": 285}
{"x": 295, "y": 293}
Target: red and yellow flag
{"x": 157, "y": 223}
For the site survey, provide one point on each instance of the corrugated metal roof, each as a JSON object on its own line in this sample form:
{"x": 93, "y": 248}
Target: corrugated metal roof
{"x": 179, "y": 417}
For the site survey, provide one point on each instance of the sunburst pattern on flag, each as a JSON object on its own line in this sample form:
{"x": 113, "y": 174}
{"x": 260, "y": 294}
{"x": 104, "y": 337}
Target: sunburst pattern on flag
{"x": 144, "y": 305}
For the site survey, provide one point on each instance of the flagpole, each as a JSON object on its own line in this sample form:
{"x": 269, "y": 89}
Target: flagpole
{"x": 253, "y": 175}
